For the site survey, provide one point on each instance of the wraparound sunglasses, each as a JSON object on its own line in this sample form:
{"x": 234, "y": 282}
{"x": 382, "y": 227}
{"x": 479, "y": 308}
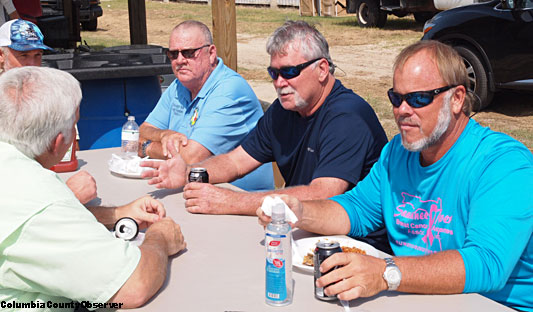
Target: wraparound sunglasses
{"x": 289, "y": 72}
{"x": 416, "y": 99}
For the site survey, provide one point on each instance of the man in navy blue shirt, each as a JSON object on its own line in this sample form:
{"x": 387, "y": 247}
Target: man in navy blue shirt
{"x": 324, "y": 137}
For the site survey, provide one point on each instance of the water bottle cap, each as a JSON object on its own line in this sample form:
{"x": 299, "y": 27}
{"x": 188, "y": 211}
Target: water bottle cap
{"x": 278, "y": 212}
{"x": 131, "y": 118}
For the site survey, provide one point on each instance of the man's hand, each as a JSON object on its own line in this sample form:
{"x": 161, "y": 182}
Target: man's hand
{"x": 171, "y": 141}
{"x": 294, "y": 204}
{"x": 207, "y": 198}
{"x": 170, "y": 232}
{"x": 144, "y": 210}
{"x": 83, "y": 186}
{"x": 357, "y": 276}
{"x": 167, "y": 174}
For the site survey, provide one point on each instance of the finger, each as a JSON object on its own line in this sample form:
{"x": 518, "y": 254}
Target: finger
{"x": 337, "y": 259}
{"x": 171, "y": 150}
{"x": 151, "y": 164}
{"x": 184, "y": 140}
{"x": 154, "y": 180}
{"x": 352, "y": 293}
{"x": 155, "y": 207}
{"x": 164, "y": 147}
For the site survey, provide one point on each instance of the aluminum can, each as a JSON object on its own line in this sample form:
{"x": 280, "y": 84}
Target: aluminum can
{"x": 323, "y": 250}
{"x": 198, "y": 175}
{"x": 126, "y": 228}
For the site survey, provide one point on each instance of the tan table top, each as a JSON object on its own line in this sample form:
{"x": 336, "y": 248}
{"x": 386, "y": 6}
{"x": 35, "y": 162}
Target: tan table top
{"x": 223, "y": 267}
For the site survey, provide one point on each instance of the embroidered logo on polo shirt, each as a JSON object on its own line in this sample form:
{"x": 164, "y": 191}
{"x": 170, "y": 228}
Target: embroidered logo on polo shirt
{"x": 310, "y": 150}
{"x": 194, "y": 117}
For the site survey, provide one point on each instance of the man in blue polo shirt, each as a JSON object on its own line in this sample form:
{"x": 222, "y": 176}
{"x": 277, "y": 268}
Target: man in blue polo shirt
{"x": 208, "y": 110}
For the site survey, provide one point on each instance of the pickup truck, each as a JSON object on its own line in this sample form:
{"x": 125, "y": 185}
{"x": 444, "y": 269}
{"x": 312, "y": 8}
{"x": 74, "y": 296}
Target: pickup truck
{"x": 90, "y": 10}
{"x": 373, "y": 13}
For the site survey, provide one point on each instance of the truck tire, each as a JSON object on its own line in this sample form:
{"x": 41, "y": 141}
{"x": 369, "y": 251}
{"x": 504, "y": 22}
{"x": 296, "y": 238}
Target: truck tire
{"x": 422, "y": 17}
{"x": 369, "y": 14}
{"x": 90, "y": 25}
{"x": 477, "y": 76}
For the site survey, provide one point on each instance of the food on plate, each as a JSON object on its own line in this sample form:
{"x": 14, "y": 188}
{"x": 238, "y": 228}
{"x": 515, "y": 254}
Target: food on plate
{"x": 308, "y": 259}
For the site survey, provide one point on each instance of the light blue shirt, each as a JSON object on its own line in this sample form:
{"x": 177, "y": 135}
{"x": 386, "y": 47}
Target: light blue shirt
{"x": 477, "y": 199}
{"x": 222, "y": 114}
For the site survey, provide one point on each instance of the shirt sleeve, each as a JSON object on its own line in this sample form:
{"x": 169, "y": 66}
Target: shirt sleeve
{"x": 160, "y": 115}
{"x": 499, "y": 222}
{"x": 363, "y": 202}
{"x": 63, "y": 251}
{"x": 223, "y": 123}
{"x": 345, "y": 146}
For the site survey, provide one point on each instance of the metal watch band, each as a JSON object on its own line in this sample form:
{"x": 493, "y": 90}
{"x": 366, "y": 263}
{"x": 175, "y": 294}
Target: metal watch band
{"x": 144, "y": 146}
{"x": 392, "y": 274}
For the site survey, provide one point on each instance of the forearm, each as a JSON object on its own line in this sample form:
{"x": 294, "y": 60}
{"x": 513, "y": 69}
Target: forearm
{"x": 149, "y": 274}
{"x": 440, "y": 273}
{"x": 105, "y": 215}
{"x": 247, "y": 203}
{"x": 324, "y": 217}
{"x": 221, "y": 169}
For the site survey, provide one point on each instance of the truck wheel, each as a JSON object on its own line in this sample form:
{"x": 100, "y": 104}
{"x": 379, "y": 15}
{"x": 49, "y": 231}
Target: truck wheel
{"x": 477, "y": 77}
{"x": 422, "y": 17}
{"x": 90, "y": 25}
{"x": 369, "y": 14}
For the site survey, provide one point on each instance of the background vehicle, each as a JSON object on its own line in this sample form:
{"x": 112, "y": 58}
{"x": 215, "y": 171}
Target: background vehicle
{"x": 495, "y": 40}
{"x": 90, "y": 10}
{"x": 373, "y": 13}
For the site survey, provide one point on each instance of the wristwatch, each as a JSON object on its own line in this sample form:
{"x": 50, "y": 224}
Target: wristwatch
{"x": 144, "y": 146}
{"x": 392, "y": 274}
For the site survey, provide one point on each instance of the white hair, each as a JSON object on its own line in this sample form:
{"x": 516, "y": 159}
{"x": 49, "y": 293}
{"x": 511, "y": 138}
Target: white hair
{"x": 37, "y": 104}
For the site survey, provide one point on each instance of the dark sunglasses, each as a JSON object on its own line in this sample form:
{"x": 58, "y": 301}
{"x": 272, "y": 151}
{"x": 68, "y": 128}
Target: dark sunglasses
{"x": 416, "y": 99}
{"x": 187, "y": 53}
{"x": 289, "y": 72}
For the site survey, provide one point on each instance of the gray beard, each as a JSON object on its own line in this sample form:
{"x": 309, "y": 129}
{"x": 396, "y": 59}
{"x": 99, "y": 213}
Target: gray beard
{"x": 443, "y": 122}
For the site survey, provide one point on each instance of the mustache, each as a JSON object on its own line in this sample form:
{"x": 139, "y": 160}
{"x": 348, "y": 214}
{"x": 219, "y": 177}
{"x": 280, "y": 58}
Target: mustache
{"x": 408, "y": 120}
{"x": 285, "y": 90}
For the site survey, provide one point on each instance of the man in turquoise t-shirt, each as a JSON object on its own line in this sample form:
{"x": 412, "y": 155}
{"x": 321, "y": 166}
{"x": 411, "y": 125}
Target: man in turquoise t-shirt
{"x": 208, "y": 110}
{"x": 455, "y": 197}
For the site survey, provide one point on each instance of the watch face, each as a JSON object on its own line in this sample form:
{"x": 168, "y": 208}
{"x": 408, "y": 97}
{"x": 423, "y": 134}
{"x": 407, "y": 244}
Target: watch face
{"x": 393, "y": 276}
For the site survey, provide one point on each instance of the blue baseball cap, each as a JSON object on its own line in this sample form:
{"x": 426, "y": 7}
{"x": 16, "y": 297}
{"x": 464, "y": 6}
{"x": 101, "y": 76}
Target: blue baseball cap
{"x": 22, "y": 35}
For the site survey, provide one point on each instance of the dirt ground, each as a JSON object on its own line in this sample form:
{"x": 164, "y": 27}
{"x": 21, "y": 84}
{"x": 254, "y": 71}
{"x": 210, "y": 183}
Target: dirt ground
{"x": 364, "y": 61}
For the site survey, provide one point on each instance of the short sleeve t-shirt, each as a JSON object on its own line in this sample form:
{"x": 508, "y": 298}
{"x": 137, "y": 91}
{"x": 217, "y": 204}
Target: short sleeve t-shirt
{"x": 342, "y": 139}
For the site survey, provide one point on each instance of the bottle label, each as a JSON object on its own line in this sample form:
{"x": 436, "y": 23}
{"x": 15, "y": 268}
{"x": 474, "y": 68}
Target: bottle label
{"x": 68, "y": 154}
{"x": 276, "y": 288}
{"x": 130, "y": 135}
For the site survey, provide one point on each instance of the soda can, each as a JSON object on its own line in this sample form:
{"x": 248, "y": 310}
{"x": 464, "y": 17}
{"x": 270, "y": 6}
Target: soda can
{"x": 126, "y": 228}
{"x": 198, "y": 175}
{"x": 323, "y": 250}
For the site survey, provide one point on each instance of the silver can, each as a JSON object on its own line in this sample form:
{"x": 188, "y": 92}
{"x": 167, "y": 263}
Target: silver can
{"x": 323, "y": 250}
{"x": 198, "y": 175}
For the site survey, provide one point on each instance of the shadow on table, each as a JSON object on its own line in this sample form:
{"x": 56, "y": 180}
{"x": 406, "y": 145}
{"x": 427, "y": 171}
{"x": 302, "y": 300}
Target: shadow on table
{"x": 162, "y": 193}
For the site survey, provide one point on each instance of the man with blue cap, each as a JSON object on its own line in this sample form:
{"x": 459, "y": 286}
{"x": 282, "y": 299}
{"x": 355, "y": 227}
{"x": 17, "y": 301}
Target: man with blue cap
{"x": 21, "y": 44}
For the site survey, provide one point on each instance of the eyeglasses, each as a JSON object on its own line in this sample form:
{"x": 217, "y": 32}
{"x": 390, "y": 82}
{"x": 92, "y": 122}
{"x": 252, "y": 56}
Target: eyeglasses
{"x": 187, "y": 53}
{"x": 416, "y": 99}
{"x": 289, "y": 72}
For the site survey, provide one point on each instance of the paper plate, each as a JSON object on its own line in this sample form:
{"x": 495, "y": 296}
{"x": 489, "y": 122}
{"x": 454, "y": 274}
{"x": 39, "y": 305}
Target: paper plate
{"x": 303, "y": 246}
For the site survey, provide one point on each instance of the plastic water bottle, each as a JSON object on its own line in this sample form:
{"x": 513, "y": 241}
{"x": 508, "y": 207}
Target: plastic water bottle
{"x": 130, "y": 137}
{"x": 278, "y": 239}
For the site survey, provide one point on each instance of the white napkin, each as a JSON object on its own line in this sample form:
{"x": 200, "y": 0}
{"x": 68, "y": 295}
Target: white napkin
{"x": 269, "y": 202}
{"x": 126, "y": 164}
